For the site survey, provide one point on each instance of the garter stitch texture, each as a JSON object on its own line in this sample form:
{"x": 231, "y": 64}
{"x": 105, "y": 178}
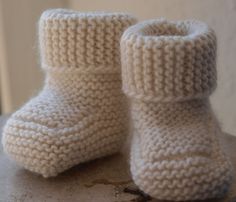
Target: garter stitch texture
{"x": 168, "y": 71}
{"x": 79, "y": 115}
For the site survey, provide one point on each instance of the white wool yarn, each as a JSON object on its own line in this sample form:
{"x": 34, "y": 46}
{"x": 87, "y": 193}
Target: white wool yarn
{"x": 80, "y": 114}
{"x": 168, "y": 71}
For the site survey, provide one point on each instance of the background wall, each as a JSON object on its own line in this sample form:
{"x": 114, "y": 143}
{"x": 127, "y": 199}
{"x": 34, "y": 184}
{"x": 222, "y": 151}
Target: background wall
{"x": 20, "y": 75}
{"x": 219, "y": 14}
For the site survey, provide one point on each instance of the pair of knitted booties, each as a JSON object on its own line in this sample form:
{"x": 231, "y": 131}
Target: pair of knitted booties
{"x": 167, "y": 69}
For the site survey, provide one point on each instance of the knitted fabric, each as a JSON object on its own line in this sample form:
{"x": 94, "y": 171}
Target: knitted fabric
{"x": 168, "y": 71}
{"x": 79, "y": 115}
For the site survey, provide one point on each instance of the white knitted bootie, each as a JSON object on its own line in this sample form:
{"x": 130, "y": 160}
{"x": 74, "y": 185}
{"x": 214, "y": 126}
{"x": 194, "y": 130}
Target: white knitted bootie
{"x": 168, "y": 71}
{"x": 79, "y": 115}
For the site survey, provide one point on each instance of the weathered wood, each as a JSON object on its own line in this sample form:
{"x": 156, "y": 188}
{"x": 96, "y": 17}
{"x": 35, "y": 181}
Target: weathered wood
{"x": 102, "y": 180}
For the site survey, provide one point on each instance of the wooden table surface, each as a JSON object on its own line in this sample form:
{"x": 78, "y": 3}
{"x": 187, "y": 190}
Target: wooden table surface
{"x": 103, "y": 180}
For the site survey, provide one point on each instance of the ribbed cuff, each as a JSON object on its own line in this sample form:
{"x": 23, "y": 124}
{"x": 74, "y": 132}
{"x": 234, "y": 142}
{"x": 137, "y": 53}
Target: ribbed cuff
{"x": 168, "y": 61}
{"x": 87, "y": 42}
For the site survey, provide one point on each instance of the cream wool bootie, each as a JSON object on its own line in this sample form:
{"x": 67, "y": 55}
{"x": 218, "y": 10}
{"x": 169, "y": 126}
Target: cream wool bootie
{"x": 168, "y": 71}
{"x": 79, "y": 114}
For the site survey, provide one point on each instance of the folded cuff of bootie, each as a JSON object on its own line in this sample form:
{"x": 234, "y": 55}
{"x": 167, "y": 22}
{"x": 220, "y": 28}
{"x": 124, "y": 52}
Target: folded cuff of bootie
{"x": 168, "y": 61}
{"x": 87, "y": 42}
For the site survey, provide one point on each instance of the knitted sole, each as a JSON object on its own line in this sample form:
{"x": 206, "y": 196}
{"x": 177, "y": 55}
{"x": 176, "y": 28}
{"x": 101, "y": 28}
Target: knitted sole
{"x": 175, "y": 152}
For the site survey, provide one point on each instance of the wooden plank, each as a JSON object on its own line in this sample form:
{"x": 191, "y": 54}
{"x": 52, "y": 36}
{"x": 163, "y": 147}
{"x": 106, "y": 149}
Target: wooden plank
{"x": 102, "y": 180}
